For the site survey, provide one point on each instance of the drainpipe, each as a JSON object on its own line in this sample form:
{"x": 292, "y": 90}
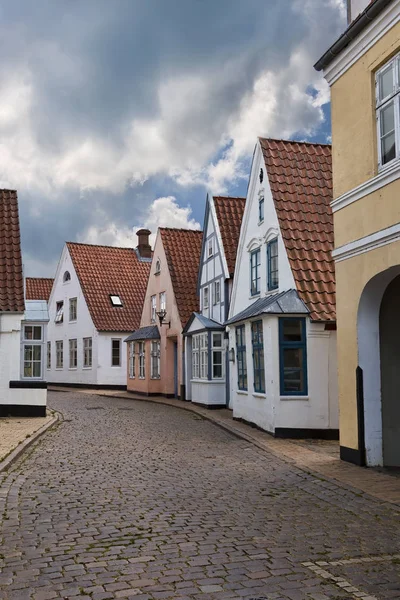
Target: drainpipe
{"x": 360, "y": 416}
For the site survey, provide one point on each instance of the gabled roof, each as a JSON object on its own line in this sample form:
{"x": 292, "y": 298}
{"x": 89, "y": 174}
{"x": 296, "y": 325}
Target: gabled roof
{"x": 38, "y": 288}
{"x": 229, "y": 211}
{"x": 276, "y": 304}
{"x": 300, "y": 177}
{"x": 144, "y": 333}
{"x": 205, "y": 321}
{"x": 105, "y": 270}
{"x": 11, "y": 276}
{"x": 182, "y": 249}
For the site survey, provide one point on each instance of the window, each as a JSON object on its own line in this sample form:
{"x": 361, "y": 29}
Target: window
{"x": 163, "y": 301}
{"x": 255, "y": 262}
{"x": 33, "y": 332}
{"x": 293, "y": 356}
{"x": 217, "y": 355}
{"x": 205, "y": 297}
{"x": 66, "y": 277}
{"x": 258, "y": 356}
{"x": 155, "y": 360}
{"x": 32, "y": 360}
{"x": 200, "y": 356}
{"x": 216, "y": 292}
{"x": 272, "y": 261}
{"x": 142, "y": 356}
{"x": 388, "y": 111}
{"x": 261, "y": 209}
{"x": 73, "y": 354}
{"x": 241, "y": 357}
{"x": 115, "y": 300}
{"x": 153, "y": 308}
{"x": 59, "y": 312}
{"x": 87, "y": 353}
{"x": 59, "y": 354}
{"x": 115, "y": 353}
{"x": 158, "y": 268}
{"x": 73, "y": 309}
{"x": 210, "y": 247}
{"x": 49, "y": 355}
{"x": 132, "y": 360}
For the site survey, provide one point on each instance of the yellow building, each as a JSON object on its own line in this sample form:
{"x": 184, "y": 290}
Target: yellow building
{"x": 363, "y": 71}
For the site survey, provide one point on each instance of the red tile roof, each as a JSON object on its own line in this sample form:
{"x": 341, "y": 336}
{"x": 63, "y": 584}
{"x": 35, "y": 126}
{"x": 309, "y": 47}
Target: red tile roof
{"x": 182, "y": 249}
{"x": 11, "y": 276}
{"x": 106, "y": 270}
{"x": 38, "y": 288}
{"x": 300, "y": 176}
{"x": 229, "y": 212}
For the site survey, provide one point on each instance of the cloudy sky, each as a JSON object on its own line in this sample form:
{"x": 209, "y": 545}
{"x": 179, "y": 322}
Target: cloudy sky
{"x": 116, "y": 114}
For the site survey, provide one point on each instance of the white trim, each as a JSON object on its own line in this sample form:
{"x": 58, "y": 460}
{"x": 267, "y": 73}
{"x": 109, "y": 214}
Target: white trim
{"x": 296, "y": 398}
{"x": 258, "y": 395}
{"x": 219, "y": 236}
{"x": 367, "y": 243}
{"x": 363, "y": 42}
{"x": 254, "y": 244}
{"x": 387, "y": 175}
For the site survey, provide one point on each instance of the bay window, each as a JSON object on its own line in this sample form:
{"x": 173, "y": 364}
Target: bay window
{"x": 142, "y": 357}
{"x": 217, "y": 355}
{"x": 258, "y": 356}
{"x": 293, "y": 356}
{"x": 132, "y": 360}
{"x": 155, "y": 360}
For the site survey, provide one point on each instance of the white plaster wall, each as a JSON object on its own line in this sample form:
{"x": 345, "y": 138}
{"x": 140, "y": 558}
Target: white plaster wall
{"x": 27, "y": 397}
{"x": 212, "y": 269}
{"x": 106, "y": 373}
{"x": 210, "y": 393}
{"x": 254, "y": 235}
{"x": 83, "y": 327}
{"x": 333, "y": 388}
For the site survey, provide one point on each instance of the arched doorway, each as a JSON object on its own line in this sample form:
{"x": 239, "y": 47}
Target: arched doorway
{"x": 389, "y": 333}
{"x": 375, "y": 347}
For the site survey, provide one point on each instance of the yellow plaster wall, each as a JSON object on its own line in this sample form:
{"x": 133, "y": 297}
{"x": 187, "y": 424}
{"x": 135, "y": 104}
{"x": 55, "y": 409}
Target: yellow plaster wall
{"x": 352, "y": 275}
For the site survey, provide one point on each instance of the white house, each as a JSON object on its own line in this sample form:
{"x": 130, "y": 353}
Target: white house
{"x": 95, "y": 303}
{"x": 282, "y": 328}
{"x": 19, "y": 395}
{"x": 206, "y": 364}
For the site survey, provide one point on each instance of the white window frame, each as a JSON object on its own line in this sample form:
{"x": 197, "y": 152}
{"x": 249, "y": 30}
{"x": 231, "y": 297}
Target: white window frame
{"x": 59, "y": 354}
{"x": 33, "y": 340}
{"x": 73, "y": 309}
{"x": 153, "y": 308}
{"x": 32, "y": 360}
{"x": 210, "y": 248}
{"x": 73, "y": 353}
{"x": 195, "y": 357}
{"x": 163, "y": 301}
{"x": 87, "y": 352}
{"x": 155, "y": 352}
{"x": 132, "y": 365}
{"x": 48, "y": 355}
{"x": 59, "y": 312}
{"x": 200, "y": 356}
{"x": 216, "y": 292}
{"x": 382, "y": 103}
{"x": 142, "y": 360}
{"x": 214, "y": 350}
{"x": 206, "y": 297}
{"x": 119, "y": 352}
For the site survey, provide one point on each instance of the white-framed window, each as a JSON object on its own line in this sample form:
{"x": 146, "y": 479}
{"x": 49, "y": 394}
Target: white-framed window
{"x": 33, "y": 361}
{"x": 200, "y": 356}
{"x": 73, "y": 354}
{"x": 59, "y": 312}
{"x": 33, "y": 332}
{"x": 153, "y": 308}
{"x": 205, "y": 297}
{"x": 155, "y": 360}
{"x": 216, "y": 292}
{"x": 116, "y": 353}
{"x": 195, "y": 357}
{"x": 261, "y": 209}
{"x": 115, "y": 300}
{"x": 217, "y": 355}
{"x": 49, "y": 355}
{"x": 59, "y": 354}
{"x": 142, "y": 358}
{"x": 87, "y": 353}
{"x": 73, "y": 306}
{"x": 210, "y": 247}
{"x": 387, "y": 84}
{"x": 255, "y": 271}
{"x": 132, "y": 360}
{"x": 163, "y": 301}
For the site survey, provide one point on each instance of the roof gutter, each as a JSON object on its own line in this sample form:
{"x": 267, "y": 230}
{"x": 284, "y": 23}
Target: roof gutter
{"x": 360, "y": 23}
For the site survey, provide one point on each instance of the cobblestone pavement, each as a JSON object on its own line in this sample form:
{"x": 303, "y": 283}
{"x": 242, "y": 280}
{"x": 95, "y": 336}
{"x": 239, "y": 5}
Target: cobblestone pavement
{"x": 14, "y": 430}
{"x": 128, "y": 499}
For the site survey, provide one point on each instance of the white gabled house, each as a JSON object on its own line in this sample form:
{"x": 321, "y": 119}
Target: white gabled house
{"x": 95, "y": 302}
{"x": 206, "y": 364}
{"x": 282, "y": 321}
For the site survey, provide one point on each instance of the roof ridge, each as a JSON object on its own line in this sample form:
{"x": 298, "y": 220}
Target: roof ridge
{"x": 100, "y": 246}
{"x": 293, "y": 141}
{"x": 180, "y": 229}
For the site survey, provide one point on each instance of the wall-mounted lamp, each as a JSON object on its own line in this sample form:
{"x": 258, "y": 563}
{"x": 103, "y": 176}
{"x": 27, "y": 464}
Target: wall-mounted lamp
{"x": 161, "y": 314}
{"x": 232, "y": 355}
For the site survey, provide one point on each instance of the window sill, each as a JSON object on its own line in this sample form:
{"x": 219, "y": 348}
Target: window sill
{"x": 59, "y": 369}
{"x": 260, "y": 222}
{"x": 242, "y": 392}
{"x": 299, "y": 397}
{"x": 252, "y": 296}
{"x": 87, "y": 368}
{"x": 72, "y": 368}
{"x": 72, "y": 321}
{"x": 155, "y": 378}
{"x": 259, "y": 395}
{"x": 115, "y": 366}
{"x": 142, "y": 378}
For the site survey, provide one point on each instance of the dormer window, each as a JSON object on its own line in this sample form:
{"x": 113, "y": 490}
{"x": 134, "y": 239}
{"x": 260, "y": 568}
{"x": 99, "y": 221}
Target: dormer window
{"x": 158, "y": 268}
{"x": 67, "y": 276}
{"x": 115, "y": 300}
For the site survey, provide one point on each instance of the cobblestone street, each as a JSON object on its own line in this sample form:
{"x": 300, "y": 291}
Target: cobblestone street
{"x": 128, "y": 499}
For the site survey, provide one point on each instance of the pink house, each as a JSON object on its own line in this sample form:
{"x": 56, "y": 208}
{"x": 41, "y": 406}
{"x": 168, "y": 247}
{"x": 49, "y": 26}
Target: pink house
{"x": 155, "y": 350}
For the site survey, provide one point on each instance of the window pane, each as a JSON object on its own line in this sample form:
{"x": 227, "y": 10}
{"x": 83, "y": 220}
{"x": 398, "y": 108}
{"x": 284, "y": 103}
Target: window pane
{"x": 386, "y": 83}
{"x": 28, "y": 370}
{"x": 292, "y": 331}
{"x": 293, "y": 369}
{"x": 388, "y": 148}
{"x": 217, "y": 340}
{"x": 36, "y": 369}
{"x": 387, "y": 119}
{"x": 28, "y": 332}
{"x": 28, "y": 353}
{"x": 37, "y": 333}
{"x": 37, "y": 353}
{"x": 217, "y": 371}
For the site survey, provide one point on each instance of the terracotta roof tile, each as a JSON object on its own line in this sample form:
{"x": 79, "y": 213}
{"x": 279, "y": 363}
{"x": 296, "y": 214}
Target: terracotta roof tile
{"x": 38, "y": 288}
{"x": 300, "y": 176}
{"x": 229, "y": 212}
{"x": 11, "y": 276}
{"x": 106, "y": 270}
{"x": 182, "y": 249}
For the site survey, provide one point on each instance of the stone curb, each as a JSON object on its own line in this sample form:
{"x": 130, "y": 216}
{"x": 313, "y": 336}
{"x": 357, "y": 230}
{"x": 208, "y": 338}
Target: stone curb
{"x": 23, "y": 446}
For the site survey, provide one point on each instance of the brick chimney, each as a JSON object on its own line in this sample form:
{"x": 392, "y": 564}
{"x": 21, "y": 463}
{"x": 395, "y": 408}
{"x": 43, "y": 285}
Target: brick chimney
{"x": 143, "y": 246}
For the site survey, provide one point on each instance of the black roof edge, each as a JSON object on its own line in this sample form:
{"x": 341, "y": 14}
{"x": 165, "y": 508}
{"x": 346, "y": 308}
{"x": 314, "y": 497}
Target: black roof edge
{"x": 354, "y": 29}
